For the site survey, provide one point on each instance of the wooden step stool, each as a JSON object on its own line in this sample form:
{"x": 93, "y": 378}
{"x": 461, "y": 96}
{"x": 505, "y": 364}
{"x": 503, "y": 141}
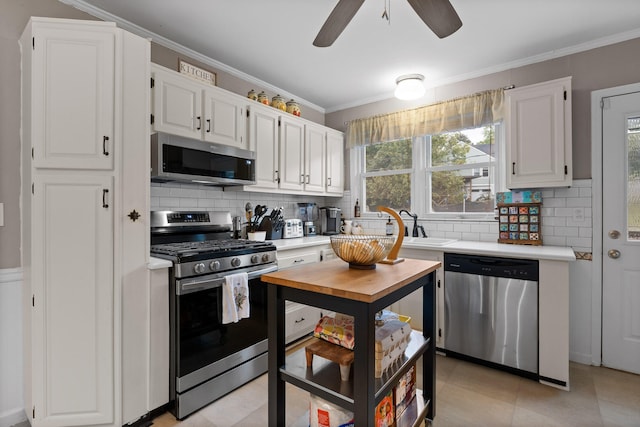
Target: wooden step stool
{"x": 333, "y": 352}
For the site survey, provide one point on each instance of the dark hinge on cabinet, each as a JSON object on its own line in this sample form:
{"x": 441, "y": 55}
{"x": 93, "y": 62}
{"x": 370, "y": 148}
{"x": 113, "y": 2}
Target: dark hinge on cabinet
{"x": 247, "y": 112}
{"x": 33, "y": 300}
{"x": 34, "y": 412}
{"x": 279, "y": 123}
{"x": 438, "y": 283}
{"x": 32, "y": 152}
{"x": 33, "y": 42}
{"x": 153, "y": 83}
{"x": 565, "y": 95}
{"x": 152, "y": 119}
{"x": 566, "y": 170}
{"x": 440, "y": 332}
{"x": 32, "y": 188}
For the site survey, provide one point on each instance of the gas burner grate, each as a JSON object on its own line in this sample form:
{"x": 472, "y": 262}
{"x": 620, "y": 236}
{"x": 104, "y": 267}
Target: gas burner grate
{"x": 206, "y": 246}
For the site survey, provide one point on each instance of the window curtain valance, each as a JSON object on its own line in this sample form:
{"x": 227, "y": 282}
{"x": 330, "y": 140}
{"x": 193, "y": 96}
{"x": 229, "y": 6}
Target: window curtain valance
{"x": 462, "y": 113}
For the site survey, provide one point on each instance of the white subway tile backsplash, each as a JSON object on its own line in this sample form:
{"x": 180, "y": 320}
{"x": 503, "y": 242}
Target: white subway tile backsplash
{"x": 554, "y": 202}
{"x": 579, "y": 202}
{"x": 462, "y": 227}
{"x": 566, "y": 231}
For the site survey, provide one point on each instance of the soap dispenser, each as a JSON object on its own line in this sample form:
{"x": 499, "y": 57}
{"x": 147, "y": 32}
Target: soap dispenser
{"x": 389, "y": 227}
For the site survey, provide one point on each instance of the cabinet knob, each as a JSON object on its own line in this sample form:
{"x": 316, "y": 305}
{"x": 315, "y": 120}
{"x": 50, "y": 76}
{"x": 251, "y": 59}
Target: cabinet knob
{"x": 134, "y": 215}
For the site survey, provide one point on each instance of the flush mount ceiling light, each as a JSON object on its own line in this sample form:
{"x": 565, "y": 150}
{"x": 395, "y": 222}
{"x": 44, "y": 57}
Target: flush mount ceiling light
{"x": 409, "y": 86}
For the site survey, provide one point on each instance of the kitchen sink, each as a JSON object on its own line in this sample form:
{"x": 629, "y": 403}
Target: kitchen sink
{"x": 428, "y": 241}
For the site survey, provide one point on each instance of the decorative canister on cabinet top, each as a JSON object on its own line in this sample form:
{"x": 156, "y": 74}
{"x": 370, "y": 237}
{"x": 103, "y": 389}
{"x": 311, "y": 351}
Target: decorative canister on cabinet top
{"x": 252, "y": 95}
{"x": 279, "y": 103}
{"x": 263, "y": 98}
{"x": 293, "y": 108}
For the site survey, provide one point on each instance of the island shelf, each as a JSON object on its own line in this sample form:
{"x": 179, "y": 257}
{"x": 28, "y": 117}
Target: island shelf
{"x": 360, "y": 293}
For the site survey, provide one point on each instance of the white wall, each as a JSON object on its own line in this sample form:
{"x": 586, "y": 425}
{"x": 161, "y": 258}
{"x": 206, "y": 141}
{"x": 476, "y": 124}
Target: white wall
{"x": 11, "y": 403}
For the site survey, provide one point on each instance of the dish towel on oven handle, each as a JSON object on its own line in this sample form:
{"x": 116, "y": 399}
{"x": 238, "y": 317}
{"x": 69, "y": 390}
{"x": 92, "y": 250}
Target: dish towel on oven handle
{"x": 235, "y": 297}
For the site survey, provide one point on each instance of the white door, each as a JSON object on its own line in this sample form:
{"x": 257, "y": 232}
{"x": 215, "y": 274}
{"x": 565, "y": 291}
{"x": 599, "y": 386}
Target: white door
{"x": 291, "y": 154}
{"x": 621, "y": 232}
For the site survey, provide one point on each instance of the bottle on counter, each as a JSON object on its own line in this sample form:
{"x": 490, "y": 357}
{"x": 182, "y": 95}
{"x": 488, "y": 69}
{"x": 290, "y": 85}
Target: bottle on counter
{"x": 356, "y": 209}
{"x": 389, "y": 227}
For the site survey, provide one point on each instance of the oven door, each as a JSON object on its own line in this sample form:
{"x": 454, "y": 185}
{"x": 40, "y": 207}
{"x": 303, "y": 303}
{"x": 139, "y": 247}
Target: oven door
{"x": 202, "y": 346}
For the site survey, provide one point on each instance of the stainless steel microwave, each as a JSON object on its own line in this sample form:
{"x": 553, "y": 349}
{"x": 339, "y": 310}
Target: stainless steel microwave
{"x": 175, "y": 158}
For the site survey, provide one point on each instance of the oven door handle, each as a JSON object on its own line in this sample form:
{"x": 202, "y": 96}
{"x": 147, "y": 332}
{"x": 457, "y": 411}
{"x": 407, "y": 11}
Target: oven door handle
{"x": 216, "y": 282}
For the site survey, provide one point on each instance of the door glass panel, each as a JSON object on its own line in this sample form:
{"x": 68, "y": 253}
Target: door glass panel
{"x": 633, "y": 178}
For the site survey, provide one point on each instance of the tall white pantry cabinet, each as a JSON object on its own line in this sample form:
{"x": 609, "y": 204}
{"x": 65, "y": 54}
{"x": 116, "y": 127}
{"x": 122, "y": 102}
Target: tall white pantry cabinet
{"x": 84, "y": 202}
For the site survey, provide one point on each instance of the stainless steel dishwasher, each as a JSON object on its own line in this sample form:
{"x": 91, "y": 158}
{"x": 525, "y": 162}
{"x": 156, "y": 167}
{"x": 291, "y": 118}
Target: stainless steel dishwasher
{"x": 491, "y": 311}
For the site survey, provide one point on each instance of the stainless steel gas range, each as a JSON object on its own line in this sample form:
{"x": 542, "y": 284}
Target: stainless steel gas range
{"x": 208, "y": 359}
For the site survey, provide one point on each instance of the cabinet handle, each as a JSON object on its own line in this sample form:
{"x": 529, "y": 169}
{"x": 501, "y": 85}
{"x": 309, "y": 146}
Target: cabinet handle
{"x": 302, "y": 319}
{"x": 199, "y": 123}
{"x": 307, "y": 181}
{"x": 513, "y": 168}
{"x": 105, "y": 140}
{"x": 298, "y": 260}
{"x": 208, "y": 125}
{"x": 105, "y": 201}
{"x": 329, "y": 181}
{"x": 276, "y": 176}
{"x": 302, "y": 179}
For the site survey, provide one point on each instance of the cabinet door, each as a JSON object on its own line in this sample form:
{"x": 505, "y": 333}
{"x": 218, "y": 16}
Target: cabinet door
{"x": 73, "y": 300}
{"x": 177, "y": 105}
{"x": 225, "y": 121}
{"x": 291, "y": 154}
{"x": 72, "y": 94}
{"x": 538, "y": 129}
{"x": 263, "y": 139}
{"x": 314, "y": 159}
{"x": 335, "y": 163}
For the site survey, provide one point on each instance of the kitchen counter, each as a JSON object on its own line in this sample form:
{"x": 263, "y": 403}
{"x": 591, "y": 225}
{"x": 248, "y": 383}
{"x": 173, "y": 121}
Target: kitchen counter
{"x": 158, "y": 263}
{"x": 555, "y": 253}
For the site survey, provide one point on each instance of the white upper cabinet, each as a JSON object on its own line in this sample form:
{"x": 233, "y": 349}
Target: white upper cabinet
{"x": 177, "y": 104}
{"x": 292, "y": 173}
{"x": 314, "y": 158}
{"x": 335, "y": 163}
{"x": 538, "y": 130}
{"x": 264, "y": 140}
{"x": 187, "y": 108}
{"x": 294, "y": 155}
{"x": 73, "y": 118}
{"x": 225, "y": 120}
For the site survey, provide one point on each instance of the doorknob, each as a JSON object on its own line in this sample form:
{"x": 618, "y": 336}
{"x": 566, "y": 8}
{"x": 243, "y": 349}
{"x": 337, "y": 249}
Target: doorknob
{"x": 614, "y": 253}
{"x": 614, "y": 234}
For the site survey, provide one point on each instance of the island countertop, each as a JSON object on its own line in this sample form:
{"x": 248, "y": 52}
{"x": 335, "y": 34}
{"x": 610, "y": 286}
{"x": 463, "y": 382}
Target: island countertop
{"x": 337, "y": 279}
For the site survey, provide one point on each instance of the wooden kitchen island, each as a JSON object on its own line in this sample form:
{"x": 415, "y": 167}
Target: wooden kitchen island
{"x": 333, "y": 286}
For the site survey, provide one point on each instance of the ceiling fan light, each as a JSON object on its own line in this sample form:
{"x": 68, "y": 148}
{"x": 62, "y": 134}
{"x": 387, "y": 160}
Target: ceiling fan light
{"x": 409, "y": 86}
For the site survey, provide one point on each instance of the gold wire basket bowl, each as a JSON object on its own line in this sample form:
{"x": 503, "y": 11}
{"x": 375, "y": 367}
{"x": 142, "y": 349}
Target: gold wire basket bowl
{"x": 362, "y": 251}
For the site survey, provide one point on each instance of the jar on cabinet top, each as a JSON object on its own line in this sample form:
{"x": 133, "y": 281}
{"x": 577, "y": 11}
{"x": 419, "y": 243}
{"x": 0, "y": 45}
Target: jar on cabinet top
{"x": 293, "y": 108}
{"x": 279, "y": 103}
{"x": 252, "y": 95}
{"x": 263, "y": 98}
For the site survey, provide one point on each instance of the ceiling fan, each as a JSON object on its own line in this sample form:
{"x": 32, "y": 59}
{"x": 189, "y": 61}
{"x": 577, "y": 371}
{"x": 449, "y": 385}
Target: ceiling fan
{"x": 439, "y": 15}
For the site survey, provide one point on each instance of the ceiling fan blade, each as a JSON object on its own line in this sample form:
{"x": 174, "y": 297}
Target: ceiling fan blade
{"x": 439, "y": 15}
{"x": 336, "y": 22}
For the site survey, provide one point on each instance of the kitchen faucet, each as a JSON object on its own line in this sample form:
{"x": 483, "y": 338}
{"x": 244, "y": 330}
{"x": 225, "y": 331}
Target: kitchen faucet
{"x": 416, "y": 227}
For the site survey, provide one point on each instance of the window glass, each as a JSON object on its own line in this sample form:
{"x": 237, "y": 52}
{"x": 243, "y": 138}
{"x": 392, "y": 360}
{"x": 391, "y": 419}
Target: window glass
{"x": 633, "y": 178}
{"x": 387, "y": 175}
{"x": 459, "y": 167}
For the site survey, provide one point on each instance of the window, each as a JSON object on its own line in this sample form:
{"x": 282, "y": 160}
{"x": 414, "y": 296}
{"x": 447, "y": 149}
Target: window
{"x": 451, "y": 173}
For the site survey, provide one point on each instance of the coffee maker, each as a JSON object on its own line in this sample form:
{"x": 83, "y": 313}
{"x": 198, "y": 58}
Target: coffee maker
{"x": 308, "y": 213}
{"x": 330, "y": 220}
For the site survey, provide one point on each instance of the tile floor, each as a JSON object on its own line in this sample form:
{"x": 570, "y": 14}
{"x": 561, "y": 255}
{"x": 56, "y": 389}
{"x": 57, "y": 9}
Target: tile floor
{"x": 467, "y": 395}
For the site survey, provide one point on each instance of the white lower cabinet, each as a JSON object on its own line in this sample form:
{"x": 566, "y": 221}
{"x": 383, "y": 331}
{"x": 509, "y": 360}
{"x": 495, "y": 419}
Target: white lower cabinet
{"x": 300, "y": 319}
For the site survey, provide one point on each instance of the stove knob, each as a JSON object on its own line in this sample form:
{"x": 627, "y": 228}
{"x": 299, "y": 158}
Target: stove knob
{"x": 265, "y": 258}
{"x": 254, "y": 259}
{"x": 199, "y": 268}
{"x": 235, "y": 262}
{"x": 215, "y": 265}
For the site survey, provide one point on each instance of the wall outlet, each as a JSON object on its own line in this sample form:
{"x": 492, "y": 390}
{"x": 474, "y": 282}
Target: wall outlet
{"x": 578, "y": 214}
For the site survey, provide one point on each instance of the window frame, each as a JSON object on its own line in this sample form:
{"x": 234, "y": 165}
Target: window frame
{"x": 421, "y": 173}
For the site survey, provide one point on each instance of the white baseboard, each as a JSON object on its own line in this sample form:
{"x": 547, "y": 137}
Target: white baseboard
{"x": 582, "y": 358}
{"x": 11, "y": 404}
{"x": 12, "y": 418}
